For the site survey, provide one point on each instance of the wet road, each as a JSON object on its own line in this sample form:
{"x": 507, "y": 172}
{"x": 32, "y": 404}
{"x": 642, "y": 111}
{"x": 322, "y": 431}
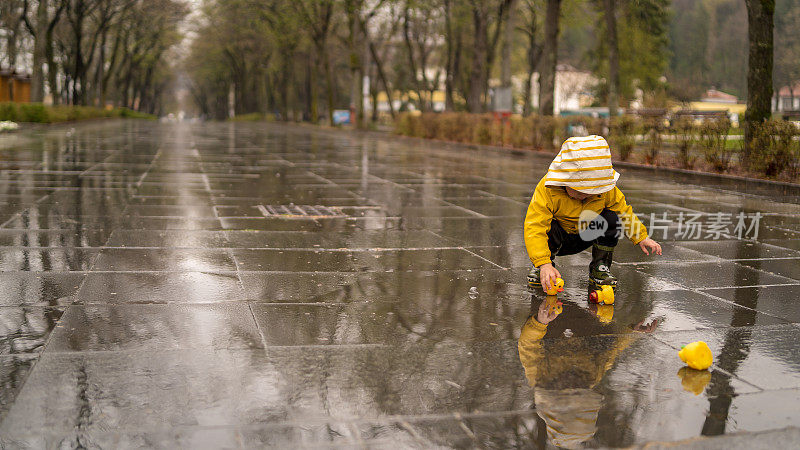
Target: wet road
{"x": 248, "y": 285}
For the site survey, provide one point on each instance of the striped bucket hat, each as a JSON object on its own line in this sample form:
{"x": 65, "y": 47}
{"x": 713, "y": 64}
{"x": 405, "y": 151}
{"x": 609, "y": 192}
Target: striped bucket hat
{"x": 584, "y": 164}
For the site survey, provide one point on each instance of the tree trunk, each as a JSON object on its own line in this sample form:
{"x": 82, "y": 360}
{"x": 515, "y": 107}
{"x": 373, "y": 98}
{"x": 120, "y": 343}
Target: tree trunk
{"x": 613, "y": 56}
{"x": 52, "y": 70}
{"x": 382, "y": 75}
{"x": 112, "y": 65}
{"x": 326, "y": 60}
{"x": 547, "y": 73}
{"x": 759, "y": 68}
{"x": 411, "y": 59}
{"x": 353, "y": 9}
{"x": 526, "y": 96}
{"x": 99, "y": 73}
{"x": 476, "y": 76}
{"x": 11, "y": 46}
{"x": 285, "y": 90}
{"x": 39, "y": 52}
{"x": 313, "y": 92}
{"x": 450, "y": 58}
{"x": 77, "y": 71}
{"x": 373, "y": 92}
{"x": 508, "y": 39}
{"x": 534, "y": 53}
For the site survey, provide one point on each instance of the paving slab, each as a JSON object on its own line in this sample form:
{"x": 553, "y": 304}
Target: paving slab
{"x": 155, "y": 327}
{"x": 160, "y": 287}
{"x": 39, "y": 288}
{"x": 359, "y": 261}
{"x": 778, "y": 301}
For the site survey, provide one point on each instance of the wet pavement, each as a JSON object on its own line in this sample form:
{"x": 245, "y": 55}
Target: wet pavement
{"x": 251, "y": 285}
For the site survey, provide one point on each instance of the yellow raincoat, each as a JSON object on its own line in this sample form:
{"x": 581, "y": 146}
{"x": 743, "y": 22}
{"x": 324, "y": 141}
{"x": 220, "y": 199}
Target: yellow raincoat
{"x": 552, "y": 202}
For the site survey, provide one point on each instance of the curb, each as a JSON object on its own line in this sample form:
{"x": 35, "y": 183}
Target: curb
{"x": 781, "y": 438}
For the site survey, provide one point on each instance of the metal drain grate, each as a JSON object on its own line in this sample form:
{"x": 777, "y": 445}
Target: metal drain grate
{"x": 304, "y": 211}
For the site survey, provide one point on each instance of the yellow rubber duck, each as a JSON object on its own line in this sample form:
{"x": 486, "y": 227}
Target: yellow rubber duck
{"x": 557, "y": 287}
{"x": 602, "y": 296}
{"x": 696, "y": 355}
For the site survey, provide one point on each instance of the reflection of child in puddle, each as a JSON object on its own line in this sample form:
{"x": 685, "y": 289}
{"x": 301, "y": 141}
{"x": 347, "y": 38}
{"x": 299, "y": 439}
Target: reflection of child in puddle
{"x": 564, "y": 371}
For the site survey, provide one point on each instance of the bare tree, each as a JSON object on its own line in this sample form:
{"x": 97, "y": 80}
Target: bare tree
{"x": 530, "y": 28}
{"x": 47, "y": 16}
{"x": 318, "y": 16}
{"x": 547, "y": 72}
{"x": 12, "y": 15}
{"x": 610, "y": 14}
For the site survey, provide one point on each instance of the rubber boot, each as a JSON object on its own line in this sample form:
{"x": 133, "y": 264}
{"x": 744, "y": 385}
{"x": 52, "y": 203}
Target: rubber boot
{"x": 600, "y": 267}
{"x": 535, "y": 279}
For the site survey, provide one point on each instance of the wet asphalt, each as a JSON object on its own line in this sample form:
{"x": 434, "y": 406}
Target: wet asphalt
{"x": 253, "y": 285}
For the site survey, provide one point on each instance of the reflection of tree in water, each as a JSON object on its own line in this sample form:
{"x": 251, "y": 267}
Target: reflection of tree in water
{"x": 735, "y": 349}
{"x": 13, "y": 372}
{"x": 80, "y": 437}
{"x": 25, "y": 330}
{"x": 447, "y": 371}
{"x": 438, "y": 360}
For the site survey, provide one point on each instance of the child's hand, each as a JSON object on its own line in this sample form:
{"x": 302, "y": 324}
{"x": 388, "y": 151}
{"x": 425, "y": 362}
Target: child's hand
{"x": 548, "y": 275}
{"x": 650, "y": 244}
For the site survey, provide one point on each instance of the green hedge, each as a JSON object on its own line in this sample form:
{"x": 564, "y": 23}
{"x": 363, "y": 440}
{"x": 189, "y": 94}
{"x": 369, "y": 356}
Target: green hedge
{"x": 39, "y": 113}
{"x": 253, "y": 117}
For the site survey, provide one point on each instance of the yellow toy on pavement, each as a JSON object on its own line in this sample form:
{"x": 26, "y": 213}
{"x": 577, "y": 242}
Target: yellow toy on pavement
{"x": 557, "y": 287}
{"x": 603, "y": 295}
{"x": 696, "y": 355}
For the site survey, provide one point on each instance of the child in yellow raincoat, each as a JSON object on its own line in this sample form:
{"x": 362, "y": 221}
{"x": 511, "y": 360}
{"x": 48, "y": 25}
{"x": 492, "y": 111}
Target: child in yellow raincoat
{"x": 576, "y": 206}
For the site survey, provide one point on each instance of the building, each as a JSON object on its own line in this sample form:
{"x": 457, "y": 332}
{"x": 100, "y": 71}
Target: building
{"x": 788, "y": 99}
{"x": 573, "y": 89}
{"x": 717, "y": 101}
{"x": 14, "y": 87}
{"x": 715, "y": 96}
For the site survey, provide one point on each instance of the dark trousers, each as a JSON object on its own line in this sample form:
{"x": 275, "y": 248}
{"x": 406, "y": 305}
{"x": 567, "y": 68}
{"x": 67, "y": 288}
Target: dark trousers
{"x": 563, "y": 243}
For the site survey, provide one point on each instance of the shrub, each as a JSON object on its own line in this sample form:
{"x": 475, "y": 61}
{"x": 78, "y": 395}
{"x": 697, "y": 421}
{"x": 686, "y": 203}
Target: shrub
{"x": 40, "y": 113}
{"x": 713, "y": 141}
{"x": 685, "y": 133}
{"x": 772, "y": 148}
{"x": 451, "y": 127}
{"x": 33, "y": 112}
{"x": 546, "y": 131}
{"x": 405, "y": 124}
{"x": 483, "y": 129}
{"x": 622, "y": 133}
{"x": 428, "y": 126}
{"x": 521, "y": 135}
{"x": 794, "y": 165}
{"x": 654, "y": 128}
{"x": 8, "y": 111}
